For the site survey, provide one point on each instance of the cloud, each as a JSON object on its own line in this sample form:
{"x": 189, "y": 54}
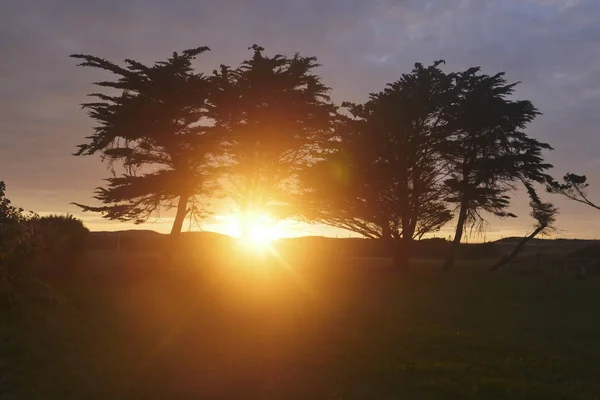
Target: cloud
{"x": 552, "y": 46}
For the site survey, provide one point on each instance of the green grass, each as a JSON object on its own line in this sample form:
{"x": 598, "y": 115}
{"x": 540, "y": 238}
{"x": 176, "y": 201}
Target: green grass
{"x": 325, "y": 330}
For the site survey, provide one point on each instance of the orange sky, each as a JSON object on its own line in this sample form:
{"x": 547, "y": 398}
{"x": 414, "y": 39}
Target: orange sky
{"x": 226, "y": 224}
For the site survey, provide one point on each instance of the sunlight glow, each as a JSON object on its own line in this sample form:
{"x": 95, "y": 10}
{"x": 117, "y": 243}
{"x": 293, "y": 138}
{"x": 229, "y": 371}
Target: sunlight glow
{"x": 257, "y": 231}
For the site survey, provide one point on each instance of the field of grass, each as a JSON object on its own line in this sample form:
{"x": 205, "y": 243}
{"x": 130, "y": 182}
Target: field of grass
{"x": 353, "y": 329}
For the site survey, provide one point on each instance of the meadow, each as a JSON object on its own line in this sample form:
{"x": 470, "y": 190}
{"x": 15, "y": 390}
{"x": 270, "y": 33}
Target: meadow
{"x": 141, "y": 327}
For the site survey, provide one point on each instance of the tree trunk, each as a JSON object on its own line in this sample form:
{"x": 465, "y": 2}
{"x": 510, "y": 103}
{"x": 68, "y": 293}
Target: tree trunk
{"x": 517, "y": 249}
{"x": 182, "y": 212}
{"x": 460, "y": 226}
{"x": 403, "y": 245}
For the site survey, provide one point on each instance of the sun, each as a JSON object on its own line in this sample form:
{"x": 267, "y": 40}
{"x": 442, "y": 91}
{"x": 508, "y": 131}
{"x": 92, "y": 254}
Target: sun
{"x": 253, "y": 231}
{"x": 259, "y": 236}
{"x": 258, "y": 231}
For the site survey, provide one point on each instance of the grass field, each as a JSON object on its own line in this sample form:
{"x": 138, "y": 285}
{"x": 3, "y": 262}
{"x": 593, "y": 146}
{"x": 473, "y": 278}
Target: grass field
{"x": 354, "y": 329}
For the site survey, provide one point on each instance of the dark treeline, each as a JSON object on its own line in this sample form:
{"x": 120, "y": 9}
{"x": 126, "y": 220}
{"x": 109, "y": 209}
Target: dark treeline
{"x": 430, "y": 148}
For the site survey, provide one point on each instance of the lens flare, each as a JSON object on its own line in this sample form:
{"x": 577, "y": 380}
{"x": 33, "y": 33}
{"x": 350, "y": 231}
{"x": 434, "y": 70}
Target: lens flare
{"x": 258, "y": 232}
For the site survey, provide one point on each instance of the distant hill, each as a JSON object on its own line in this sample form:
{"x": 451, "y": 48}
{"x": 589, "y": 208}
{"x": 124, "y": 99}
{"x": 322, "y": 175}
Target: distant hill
{"x": 148, "y": 240}
{"x": 211, "y": 242}
{"x": 541, "y": 241}
{"x": 126, "y": 233}
{"x": 546, "y": 247}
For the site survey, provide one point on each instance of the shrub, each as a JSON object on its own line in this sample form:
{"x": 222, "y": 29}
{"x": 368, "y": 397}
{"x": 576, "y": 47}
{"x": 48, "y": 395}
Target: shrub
{"x": 17, "y": 246}
{"x": 30, "y": 244}
{"x": 63, "y": 239}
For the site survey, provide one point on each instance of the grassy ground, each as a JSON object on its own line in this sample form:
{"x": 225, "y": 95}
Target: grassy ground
{"x": 134, "y": 329}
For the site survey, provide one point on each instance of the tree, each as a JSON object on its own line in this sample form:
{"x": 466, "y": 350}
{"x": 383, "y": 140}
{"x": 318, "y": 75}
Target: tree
{"x": 573, "y": 187}
{"x": 30, "y": 246}
{"x": 544, "y": 214}
{"x": 156, "y": 126}
{"x": 384, "y": 179}
{"x": 488, "y": 150}
{"x": 19, "y": 248}
{"x": 276, "y": 115}
{"x": 8, "y": 213}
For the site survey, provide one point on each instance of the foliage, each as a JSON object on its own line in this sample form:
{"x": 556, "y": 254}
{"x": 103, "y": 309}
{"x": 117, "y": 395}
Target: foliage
{"x": 31, "y": 245}
{"x": 488, "y": 151}
{"x": 64, "y": 238}
{"x": 427, "y": 140}
{"x": 387, "y": 169}
{"x": 384, "y": 178}
{"x": 14, "y": 250}
{"x": 544, "y": 214}
{"x": 18, "y": 248}
{"x": 572, "y": 187}
{"x": 276, "y": 116}
{"x": 9, "y": 214}
{"x": 156, "y": 127}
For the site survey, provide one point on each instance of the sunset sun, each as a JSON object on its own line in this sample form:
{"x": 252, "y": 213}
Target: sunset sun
{"x": 257, "y": 231}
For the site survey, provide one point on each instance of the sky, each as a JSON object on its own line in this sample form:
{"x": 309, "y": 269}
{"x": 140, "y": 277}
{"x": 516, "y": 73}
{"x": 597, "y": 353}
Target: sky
{"x": 551, "y": 46}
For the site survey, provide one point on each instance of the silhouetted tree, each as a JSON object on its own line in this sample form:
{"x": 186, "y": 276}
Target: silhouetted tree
{"x": 488, "y": 151}
{"x": 30, "y": 246}
{"x": 572, "y": 187}
{"x": 157, "y": 126}
{"x": 276, "y": 114}
{"x": 19, "y": 249}
{"x": 14, "y": 250}
{"x": 8, "y": 212}
{"x": 384, "y": 179}
{"x": 544, "y": 214}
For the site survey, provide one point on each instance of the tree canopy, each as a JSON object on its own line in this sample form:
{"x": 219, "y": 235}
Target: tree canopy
{"x": 392, "y": 168}
{"x": 8, "y": 212}
{"x": 488, "y": 150}
{"x": 572, "y": 187}
{"x": 383, "y": 179}
{"x": 275, "y": 115}
{"x": 155, "y": 128}
{"x": 544, "y": 214}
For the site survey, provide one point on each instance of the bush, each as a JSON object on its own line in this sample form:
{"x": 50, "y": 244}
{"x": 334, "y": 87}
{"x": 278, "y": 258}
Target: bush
{"x": 30, "y": 244}
{"x": 63, "y": 238}
{"x": 17, "y": 247}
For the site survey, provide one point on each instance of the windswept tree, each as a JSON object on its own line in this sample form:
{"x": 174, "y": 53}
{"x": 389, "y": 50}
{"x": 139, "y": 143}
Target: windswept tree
{"x": 276, "y": 115}
{"x": 544, "y": 214}
{"x": 155, "y": 127}
{"x": 488, "y": 151}
{"x": 384, "y": 180}
{"x": 572, "y": 187}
